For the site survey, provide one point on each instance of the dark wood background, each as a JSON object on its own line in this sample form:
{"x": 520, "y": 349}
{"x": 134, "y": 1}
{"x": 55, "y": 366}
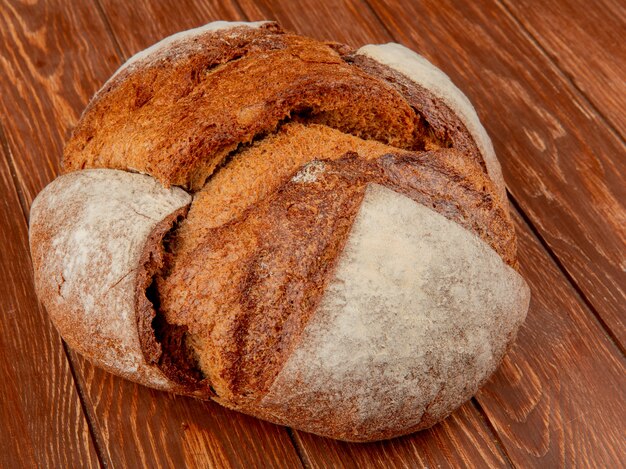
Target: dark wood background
{"x": 548, "y": 79}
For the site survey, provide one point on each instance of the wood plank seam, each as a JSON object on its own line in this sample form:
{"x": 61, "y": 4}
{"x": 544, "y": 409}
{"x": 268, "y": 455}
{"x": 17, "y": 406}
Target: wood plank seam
{"x": 492, "y": 429}
{"x": 109, "y": 29}
{"x": 92, "y": 425}
{"x": 4, "y": 142}
{"x": 240, "y": 10}
{"x": 7, "y": 155}
{"x": 581, "y": 294}
{"x": 380, "y": 21}
{"x": 504, "y": 5}
{"x": 296, "y": 444}
{"x": 23, "y": 206}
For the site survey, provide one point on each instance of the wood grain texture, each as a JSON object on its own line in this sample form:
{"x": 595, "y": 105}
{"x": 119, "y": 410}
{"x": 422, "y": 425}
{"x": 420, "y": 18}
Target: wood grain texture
{"x": 561, "y": 163}
{"x": 141, "y": 427}
{"x": 346, "y": 21}
{"x": 550, "y": 399}
{"x": 41, "y": 420}
{"x": 461, "y": 440}
{"x": 558, "y": 399}
{"x": 586, "y": 40}
{"x": 164, "y": 19}
{"x": 55, "y": 56}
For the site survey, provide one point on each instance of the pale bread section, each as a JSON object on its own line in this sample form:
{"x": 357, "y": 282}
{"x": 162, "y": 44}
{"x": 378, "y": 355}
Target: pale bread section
{"x": 422, "y": 72}
{"x": 419, "y": 313}
{"x": 87, "y": 233}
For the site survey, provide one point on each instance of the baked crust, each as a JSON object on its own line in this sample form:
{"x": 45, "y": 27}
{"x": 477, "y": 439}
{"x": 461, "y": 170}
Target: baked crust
{"x": 306, "y": 161}
{"x": 87, "y": 233}
{"x": 178, "y": 118}
{"x": 270, "y": 263}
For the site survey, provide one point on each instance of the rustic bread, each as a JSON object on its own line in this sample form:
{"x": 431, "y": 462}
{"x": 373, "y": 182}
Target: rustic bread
{"x": 320, "y": 236}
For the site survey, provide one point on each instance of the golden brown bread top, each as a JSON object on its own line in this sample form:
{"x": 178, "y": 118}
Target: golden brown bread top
{"x": 444, "y": 127}
{"x": 260, "y": 168}
{"x": 177, "y": 120}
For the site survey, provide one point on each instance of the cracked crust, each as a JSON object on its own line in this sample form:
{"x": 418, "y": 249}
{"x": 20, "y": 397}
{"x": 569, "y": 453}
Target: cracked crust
{"x": 270, "y": 261}
{"x": 87, "y": 233}
{"x": 451, "y": 117}
{"x": 178, "y": 118}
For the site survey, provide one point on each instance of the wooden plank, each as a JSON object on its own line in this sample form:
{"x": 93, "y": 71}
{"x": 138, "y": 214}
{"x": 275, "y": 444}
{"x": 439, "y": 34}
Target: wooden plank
{"x": 55, "y": 56}
{"x": 559, "y": 398}
{"x": 463, "y": 437}
{"x": 349, "y": 22}
{"x": 34, "y": 372}
{"x": 586, "y": 40}
{"x": 461, "y": 440}
{"x": 561, "y": 163}
{"x": 142, "y": 427}
{"x": 153, "y": 20}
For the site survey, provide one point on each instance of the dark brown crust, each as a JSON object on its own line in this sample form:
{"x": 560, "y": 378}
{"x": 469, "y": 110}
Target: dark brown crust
{"x": 163, "y": 344}
{"x": 443, "y": 124}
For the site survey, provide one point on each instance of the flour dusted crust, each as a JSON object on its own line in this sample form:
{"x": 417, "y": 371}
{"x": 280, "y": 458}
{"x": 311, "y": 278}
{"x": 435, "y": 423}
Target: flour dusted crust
{"x": 417, "y": 316}
{"x": 341, "y": 260}
{"x": 87, "y": 233}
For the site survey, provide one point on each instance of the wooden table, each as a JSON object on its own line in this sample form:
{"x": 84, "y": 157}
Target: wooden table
{"x": 548, "y": 80}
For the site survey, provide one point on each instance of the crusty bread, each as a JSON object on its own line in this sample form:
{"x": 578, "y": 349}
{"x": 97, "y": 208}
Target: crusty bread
{"x": 87, "y": 233}
{"x": 343, "y": 261}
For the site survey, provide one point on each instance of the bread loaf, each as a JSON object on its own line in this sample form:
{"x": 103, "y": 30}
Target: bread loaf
{"x": 311, "y": 234}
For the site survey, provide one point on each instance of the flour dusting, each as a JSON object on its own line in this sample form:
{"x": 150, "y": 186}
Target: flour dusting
{"x": 88, "y": 230}
{"x": 417, "y": 316}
